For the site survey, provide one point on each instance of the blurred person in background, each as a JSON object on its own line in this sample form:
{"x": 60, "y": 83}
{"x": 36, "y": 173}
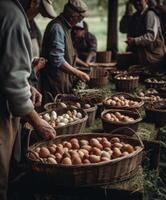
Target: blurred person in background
{"x": 145, "y": 36}
{"x": 59, "y": 74}
{"x": 15, "y": 92}
{"x": 84, "y": 42}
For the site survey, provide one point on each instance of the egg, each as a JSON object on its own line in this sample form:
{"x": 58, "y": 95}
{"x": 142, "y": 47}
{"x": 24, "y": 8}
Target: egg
{"x": 73, "y": 153}
{"x": 66, "y": 161}
{"x": 127, "y": 147}
{"x": 61, "y": 124}
{"x": 76, "y": 160}
{"x": 114, "y": 140}
{"x": 74, "y": 140}
{"x": 86, "y": 147}
{"x": 118, "y": 145}
{"x": 94, "y": 158}
{"x": 33, "y": 155}
{"x": 58, "y": 157}
{"x": 37, "y": 149}
{"x": 51, "y": 160}
{"x": 52, "y": 149}
{"x": 78, "y": 105}
{"x": 68, "y": 145}
{"x": 106, "y": 144}
{"x": 44, "y": 152}
{"x": 125, "y": 153}
{"x": 75, "y": 145}
{"x": 66, "y": 116}
{"x": 46, "y": 117}
{"x": 86, "y": 161}
{"x": 105, "y": 154}
{"x": 95, "y": 143}
{"x": 81, "y": 154}
{"x": 66, "y": 154}
{"x": 63, "y": 105}
{"x": 65, "y": 121}
{"x": 60, "y": 150}
{"x": 53, "y": 116}
{"x": 95, "y": 151}
{"x": 79, "y": 115}
{"x": 116, "y": 153}
{"x": 86, "y": 152}
{"x": 107, "y": 116}
{"x": 84, "y": 142}
{"x": 105, "y": 159}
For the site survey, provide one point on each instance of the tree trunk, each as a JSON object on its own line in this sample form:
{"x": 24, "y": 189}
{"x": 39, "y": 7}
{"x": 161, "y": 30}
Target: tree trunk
{"x": 112, "y": 34}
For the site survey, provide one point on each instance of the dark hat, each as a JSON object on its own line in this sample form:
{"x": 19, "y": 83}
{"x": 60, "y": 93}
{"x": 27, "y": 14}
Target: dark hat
{"x": 48, "y": 8}
{"x": 78, "y": 6}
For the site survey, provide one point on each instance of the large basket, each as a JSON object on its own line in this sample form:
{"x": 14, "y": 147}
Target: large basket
{"x": 153, "y": 84}
{"x": 109, "y": 126}
{"x": 77, "y": 126}
{"x": 126, "y": 96}
{"x": 102, "y": 173}
{"x": 126, "y": 85}
{"x": 152, "y": 97}
{"x": 156, "y": 113}
{"x": 70, "y": 101}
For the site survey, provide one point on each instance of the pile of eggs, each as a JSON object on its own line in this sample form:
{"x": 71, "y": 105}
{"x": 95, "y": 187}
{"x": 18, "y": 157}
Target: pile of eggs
{"x": 56, "y": 120}
{"x": 153, "y": 80}
{"x": 147, "y": 92}
{"x": 118, "y": 117}
{"x": 120, "y": 101}
{"x": 127, "y": 77}
{"x": 80, "y": 106}
{"x": 83, "y": 151}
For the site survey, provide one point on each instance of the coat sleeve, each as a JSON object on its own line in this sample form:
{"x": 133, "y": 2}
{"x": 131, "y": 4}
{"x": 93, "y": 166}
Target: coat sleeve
{"x": 15, "y": 65}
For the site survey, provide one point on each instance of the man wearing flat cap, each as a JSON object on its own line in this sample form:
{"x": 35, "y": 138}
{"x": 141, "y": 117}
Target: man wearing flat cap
{"x": 15, "y": 93}
{"x": 57, "y": 76}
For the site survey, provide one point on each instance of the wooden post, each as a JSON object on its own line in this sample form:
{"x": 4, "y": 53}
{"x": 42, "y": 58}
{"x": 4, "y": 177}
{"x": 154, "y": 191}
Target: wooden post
{"x": 112, "y": 34}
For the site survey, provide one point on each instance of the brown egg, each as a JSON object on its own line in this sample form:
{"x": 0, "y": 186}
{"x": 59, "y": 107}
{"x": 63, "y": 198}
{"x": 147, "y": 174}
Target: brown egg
{"x": 52, "y": 156}
{"x": 66, "y": 161}
{"x": 103, "y": 139}
{"x": 105, "y": 159}
{"x": 73, "y": 153}
{"x": 116, "y": 153}
{"x": 51, "y": 160}
{"x": 76, "y": 160}
{"x": 106, "y": 144}
{"x": 99, "y": 139}
{"x": 60, "y": 145}
{"x": 107, "y": 149}
{"x": 94, "y": 159}
{"x": 95, "y": 143}
{"x": 86, "y": 152}
{"x": 86, "y": 147}
{"x": 128, "y": 148}
{"x": 95, "y": 151}
{"x": 75, "y": 145}
{"x": 125, "y": 153}
{"x": 84, "y": 142}
{"x": 86, "y": 161}
{"x": 60, "y": 150}
{"x": 52, "y": 149}
{"x": 58, "y": 157}
{"x": 107, "y": 116}
{"x": 74, "y": 140}
{"x": 114, "y": 140}
{"x": 68, "y": 145}
{"x": 44, "y": 152}
{"x": 118, "y": 145}
{"x": 65, "y": 149}
{"x": 54, "y": 145}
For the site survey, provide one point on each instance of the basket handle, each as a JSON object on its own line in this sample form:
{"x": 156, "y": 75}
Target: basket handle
{"x": 123, "y": 93}
{"x": 29, "y": 138}
{"x": 50, "y": 95}
{"x": 137, "y": 111}
{"x": 37, "y": 157}
{"x": 131, "y": 130}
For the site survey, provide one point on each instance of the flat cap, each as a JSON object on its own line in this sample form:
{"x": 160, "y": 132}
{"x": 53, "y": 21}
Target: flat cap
{"x": 78, "y": 6}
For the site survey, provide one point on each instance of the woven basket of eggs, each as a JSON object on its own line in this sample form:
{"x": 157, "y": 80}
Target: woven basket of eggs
{"x": 116, "y": 118}
{"x": 87, "y": 159}
{"x": 122, "y": 101}
{"x": 126, "y": 82}
{"x": 66, "y": 120}
{"x": 71, "y": 101}
{"x": 156, "y": 83}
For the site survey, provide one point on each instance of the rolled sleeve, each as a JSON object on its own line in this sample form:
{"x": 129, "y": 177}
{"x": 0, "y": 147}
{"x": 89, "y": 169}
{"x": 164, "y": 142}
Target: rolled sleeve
{"x": 152, "y": 24}
{"x": 57, "y": 49}
{"x": 15, "y": 66}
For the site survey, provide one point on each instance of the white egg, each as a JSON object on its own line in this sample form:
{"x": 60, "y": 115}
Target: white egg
{"x": 46, "y": 117}
{"x": 60, "y": 124}
{"x": 53, "y": 116}
{"x": 79, "y": 115}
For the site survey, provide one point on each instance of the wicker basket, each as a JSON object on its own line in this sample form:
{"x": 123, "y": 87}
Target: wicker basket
{"x": 153, "y": 97}
{"x": 70, "y": 101}
{"x": 127, "y": 96}
{"x": 155, "y": 85}
{"x": 77, "y": 126}
{"x": 102, "y": 173}
{"x": 126, "y": 85}
{"x": 156, "y": 113}
{"x": 109, "y": 126}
